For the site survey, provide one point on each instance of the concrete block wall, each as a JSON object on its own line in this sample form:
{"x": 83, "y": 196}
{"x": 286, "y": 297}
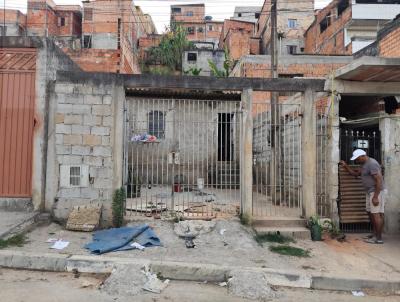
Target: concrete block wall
{"x": 82, "y": 131}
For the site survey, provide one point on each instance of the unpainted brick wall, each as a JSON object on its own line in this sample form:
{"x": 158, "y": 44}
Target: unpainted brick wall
{"x": 389, "y": 46}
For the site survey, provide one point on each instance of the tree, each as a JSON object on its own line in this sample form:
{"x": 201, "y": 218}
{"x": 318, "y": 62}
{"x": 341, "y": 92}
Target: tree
{"x": 228, "y": 65}
{"x": 169, "y": 52}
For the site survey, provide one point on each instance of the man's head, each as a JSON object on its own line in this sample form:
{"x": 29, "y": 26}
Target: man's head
{"x": 359, "y": 156}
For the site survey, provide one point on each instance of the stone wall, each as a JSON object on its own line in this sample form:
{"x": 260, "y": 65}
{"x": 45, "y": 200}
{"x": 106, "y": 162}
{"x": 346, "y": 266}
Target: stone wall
{"x": 83, "y": 132}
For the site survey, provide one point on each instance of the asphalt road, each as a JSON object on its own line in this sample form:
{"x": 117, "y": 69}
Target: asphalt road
{"x": 28, "y": 286}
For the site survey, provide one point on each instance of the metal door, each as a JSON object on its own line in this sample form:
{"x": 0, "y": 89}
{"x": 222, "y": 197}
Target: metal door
{"x": 17, "y": 101}
{"x": 173, "y": 157}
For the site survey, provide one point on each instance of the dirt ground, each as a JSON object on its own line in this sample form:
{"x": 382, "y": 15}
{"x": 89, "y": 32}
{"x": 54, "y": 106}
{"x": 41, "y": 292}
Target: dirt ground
{"x": 237, "y": 247}
{"x": 21, "y": 286}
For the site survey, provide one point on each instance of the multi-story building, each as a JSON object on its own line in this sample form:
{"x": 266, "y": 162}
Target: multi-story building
{"x": 293, "y": 19}
{"x": 45, "y": 18}
{"x": 198, "y": 26}
{"x": 238, "y": 38}
{"x": 346, "y": 26}
{"x": 13, "y": 23}
{"x": 247, "y": 13}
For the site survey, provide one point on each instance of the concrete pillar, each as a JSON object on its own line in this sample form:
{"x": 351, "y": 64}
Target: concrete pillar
{"x": 308, "y": 154}
{"x": 246, "y": 154}
{"x": 334, "y": 158}
{"x": 118, "y": 136}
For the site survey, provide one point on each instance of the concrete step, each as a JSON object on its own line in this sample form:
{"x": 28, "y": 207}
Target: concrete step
{"x": 279, "y": 222}
{"x": 294, "y": 232}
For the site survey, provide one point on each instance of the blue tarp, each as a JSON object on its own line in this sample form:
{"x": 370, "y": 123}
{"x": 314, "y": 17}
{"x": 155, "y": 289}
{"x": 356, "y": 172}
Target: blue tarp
{"x": 120, "y": 239}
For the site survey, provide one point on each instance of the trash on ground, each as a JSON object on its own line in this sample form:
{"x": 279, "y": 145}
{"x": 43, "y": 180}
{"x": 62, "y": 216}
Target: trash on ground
{"x": 60, "y": 245}
{"x": 221, "y": 232}
{"x": 153, "y": 284}
{"x": 138, "y": 246}
{"x": 357, "y": 293}
{"x": 128, "y": 281}
{"x": 52, "y": 240}
{"x": 223, "y": 284}
{"x": 121, "y": 239}
{"x": 84, "y": 218}
{"x": 189, "y": 243}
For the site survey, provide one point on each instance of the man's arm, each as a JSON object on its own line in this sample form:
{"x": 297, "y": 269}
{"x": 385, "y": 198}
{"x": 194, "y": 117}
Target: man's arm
{"x": 378, "y": 188}
{"x": 351, "y": 171}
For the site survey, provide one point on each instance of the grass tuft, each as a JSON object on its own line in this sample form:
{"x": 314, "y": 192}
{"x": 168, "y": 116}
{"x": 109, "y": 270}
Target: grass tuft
{"x": 288, "y": 250}
{"x": 273, "y": 237}
{"x": 17, "y": 240}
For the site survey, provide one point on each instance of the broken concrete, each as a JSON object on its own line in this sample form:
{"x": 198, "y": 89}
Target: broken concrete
{"x": 250, "y": 285}
{"x": 193, "y": 228}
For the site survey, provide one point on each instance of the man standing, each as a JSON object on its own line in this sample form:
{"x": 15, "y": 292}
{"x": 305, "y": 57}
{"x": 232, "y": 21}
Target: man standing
{"x": 372, "y": 179}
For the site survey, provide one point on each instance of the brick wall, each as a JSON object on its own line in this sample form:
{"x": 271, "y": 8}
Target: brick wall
{"x": 238, "y": 43}
{"x": 389, "y": 45}
{"x": 83, "y": 135}
{"x": 331, "y": 40}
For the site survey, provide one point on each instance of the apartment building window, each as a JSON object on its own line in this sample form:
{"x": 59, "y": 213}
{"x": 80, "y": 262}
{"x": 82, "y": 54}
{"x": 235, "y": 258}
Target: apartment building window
{"x": 176, "y": 10}
{"x": 342, "y": 6}
{"x": 239, "y": 14}
{"x": 192, "y": 57}
{"x": 61, "y": 21}
{"x": 257, "y": 15}
{"x": 88, "y": 14}
{"x": 156, "y": 124}
{"x": 190, "y": 30}
{"x": 292, "y": 23}
{"x": 200, "y": 29}
{"x": 87, "y": 41}
{"x": 324, "y": 24}
{"x": 189, "y": 14}
{"x": 291, "y": 49}
{"x": 210, "y": 27}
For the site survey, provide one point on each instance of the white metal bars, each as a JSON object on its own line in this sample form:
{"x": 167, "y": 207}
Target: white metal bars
{"x": 183, "y": 156}
{"x": 277, "y": 160}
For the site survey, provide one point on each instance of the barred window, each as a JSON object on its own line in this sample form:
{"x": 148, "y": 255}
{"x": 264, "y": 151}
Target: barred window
{"x": 156, "y": 124}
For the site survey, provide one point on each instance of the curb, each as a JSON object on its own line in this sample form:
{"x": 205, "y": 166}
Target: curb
{"x": 185, "y": 271}
{"x": 22, "y": 227}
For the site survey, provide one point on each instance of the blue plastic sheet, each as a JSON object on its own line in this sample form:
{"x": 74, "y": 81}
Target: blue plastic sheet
{"x": 120, "y": 239}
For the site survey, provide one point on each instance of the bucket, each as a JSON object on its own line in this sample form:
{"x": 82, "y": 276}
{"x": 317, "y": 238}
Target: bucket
{"x": 200, "y": 183}
{"x": 316, "y": 233}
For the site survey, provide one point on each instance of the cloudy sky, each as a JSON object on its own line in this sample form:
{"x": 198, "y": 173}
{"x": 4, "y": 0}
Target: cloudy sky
{"x": 159, "y": 10}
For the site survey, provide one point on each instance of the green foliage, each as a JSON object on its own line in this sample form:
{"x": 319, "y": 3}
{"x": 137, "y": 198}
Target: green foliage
{"x": 314, "y": 221}
{"x": 118, "y": 207}
{"x": 273, "y": 237}
{"x": 193, "y": 71}
{"x": 17, "y": 240}
{"x": 228, "y": 65}
{"x": 169, "y": 52}
{"x": 288, "y": 250}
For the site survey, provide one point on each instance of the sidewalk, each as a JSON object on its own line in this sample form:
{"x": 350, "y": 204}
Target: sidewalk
{"x": 236, "y": 248}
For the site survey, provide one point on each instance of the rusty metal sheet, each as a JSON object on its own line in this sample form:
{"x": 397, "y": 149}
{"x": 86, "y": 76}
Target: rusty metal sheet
{"x": 17, "y": 102}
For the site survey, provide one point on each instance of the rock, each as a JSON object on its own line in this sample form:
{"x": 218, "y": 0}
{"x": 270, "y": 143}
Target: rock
{"x": 193, "y": 228}
{"x": 125, "y": 281}
{"x": 250, "y": 285}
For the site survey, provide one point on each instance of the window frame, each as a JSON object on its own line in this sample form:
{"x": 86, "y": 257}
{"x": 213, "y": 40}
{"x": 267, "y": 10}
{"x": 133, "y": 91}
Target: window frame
{"x": 292, "y": 23}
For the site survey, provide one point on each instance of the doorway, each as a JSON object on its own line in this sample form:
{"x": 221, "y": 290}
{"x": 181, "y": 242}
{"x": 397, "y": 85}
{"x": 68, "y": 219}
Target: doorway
{"x": 225, "y": 143}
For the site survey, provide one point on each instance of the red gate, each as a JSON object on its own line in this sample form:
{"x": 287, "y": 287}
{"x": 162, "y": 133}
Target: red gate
{"x": 17, "y": 103}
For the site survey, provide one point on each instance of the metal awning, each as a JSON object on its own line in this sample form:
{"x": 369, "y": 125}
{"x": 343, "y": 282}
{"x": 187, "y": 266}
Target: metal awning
{"x": 371, "y": 69}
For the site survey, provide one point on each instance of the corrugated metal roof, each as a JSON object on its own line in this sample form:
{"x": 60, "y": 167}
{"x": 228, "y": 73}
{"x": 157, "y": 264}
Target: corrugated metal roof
{"x": 17, "y": 59}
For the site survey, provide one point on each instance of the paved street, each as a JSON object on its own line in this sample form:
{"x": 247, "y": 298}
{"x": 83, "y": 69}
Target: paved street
{"x": 21, "y": 286}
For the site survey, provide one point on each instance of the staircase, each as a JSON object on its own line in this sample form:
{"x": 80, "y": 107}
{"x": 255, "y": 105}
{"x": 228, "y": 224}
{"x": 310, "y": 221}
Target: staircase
{"x": 227, "y": 174}
{"x": 294, "y": 227}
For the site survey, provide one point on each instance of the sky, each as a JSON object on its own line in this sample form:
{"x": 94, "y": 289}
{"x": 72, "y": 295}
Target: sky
{"x": 160, "y": 10}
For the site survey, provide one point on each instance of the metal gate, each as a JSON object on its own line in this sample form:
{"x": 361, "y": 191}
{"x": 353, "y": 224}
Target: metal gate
{"x": 277, "y": 160}
{"x": 17, "y": 101}
{"x": 182, "y": 155}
